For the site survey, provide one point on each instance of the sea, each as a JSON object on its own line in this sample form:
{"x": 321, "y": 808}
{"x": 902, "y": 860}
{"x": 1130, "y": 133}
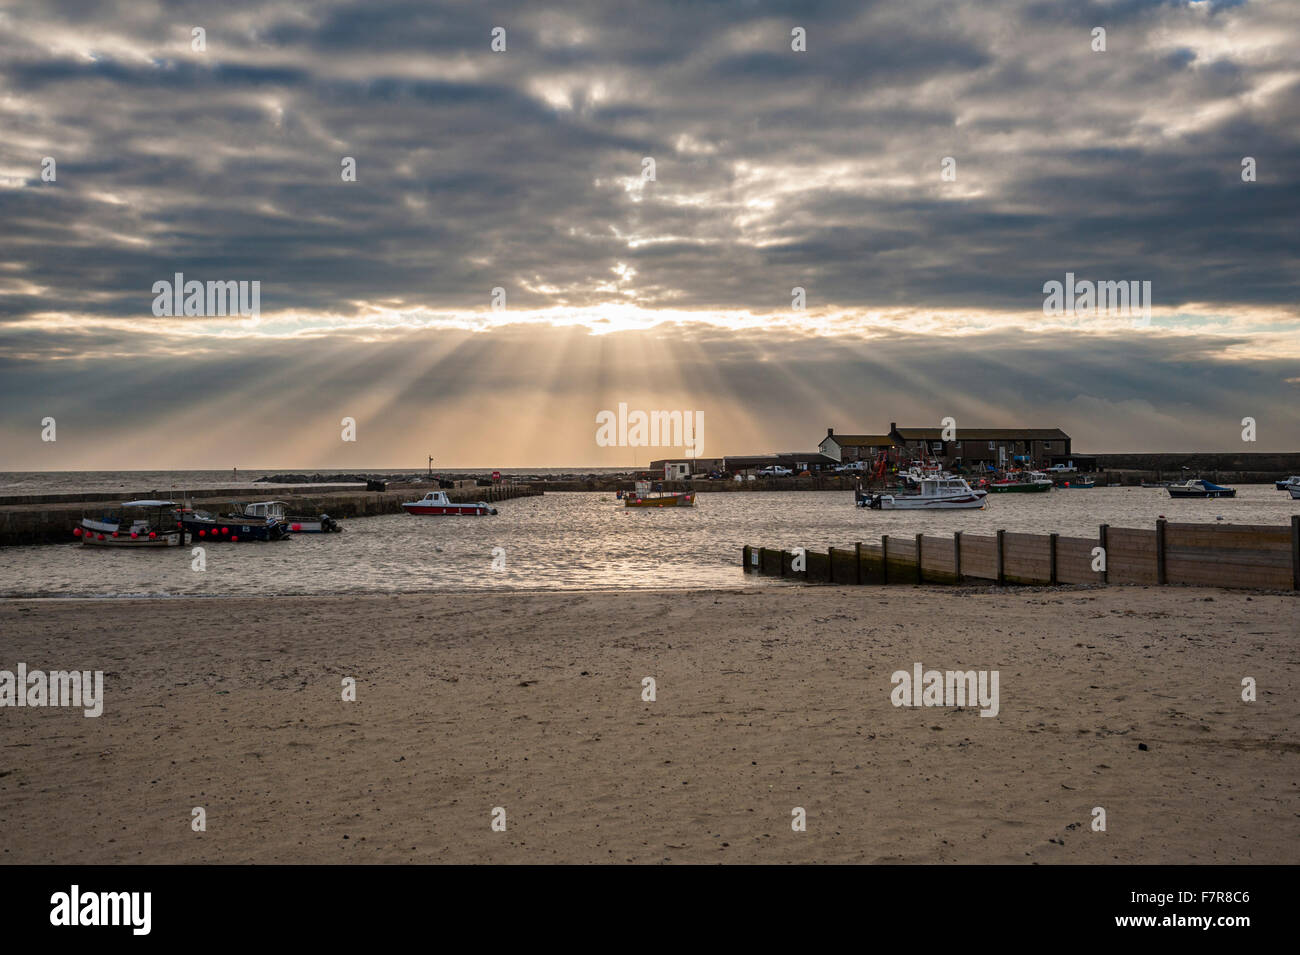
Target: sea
{"x": 573, "y": 541}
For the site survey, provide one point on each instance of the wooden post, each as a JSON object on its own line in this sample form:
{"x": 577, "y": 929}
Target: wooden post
{"x": 1160, "y": 552}
{"x": 884, "y": 558}
{"x": 956, "y": 554}
{"x": 1001, "y": 575}
{"x": 1295, "y": 551}
{"x": 857, "y": 565}
{"x": 1105, "y": 556}
{"x": 744, "y": 558}
{"x": 1051, "y": 547}
{"x": 920, "y": 574}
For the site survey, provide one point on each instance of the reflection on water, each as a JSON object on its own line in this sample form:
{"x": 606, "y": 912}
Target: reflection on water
{"x": 586, "y": 541}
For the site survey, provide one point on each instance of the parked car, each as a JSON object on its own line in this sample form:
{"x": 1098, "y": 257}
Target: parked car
{"x": 775, "y": 470}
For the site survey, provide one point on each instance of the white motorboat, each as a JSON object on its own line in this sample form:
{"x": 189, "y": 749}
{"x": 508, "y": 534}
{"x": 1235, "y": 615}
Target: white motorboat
{"x": 437, "y": 503}
{"x": 145, "y": 524}
{"x": 935, "y": 494}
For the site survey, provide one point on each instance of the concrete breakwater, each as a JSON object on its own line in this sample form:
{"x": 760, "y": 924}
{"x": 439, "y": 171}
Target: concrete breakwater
{"x": 49, "y": 521}
{"x": 1246, "y": 556}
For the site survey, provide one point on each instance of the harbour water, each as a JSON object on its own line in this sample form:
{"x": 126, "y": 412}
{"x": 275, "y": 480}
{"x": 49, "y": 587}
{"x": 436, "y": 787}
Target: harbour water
{"x": 585, "y": 541}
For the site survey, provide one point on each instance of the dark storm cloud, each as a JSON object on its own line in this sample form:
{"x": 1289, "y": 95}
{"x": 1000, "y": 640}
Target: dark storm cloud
{"x": 473, "y": 173}
{"x": 774, "y": 169}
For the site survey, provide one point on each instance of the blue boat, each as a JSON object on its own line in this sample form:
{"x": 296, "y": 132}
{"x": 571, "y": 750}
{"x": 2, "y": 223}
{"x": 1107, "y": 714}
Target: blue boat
{"x": 1199, "y": 487}
{"x": 236, "y": 528}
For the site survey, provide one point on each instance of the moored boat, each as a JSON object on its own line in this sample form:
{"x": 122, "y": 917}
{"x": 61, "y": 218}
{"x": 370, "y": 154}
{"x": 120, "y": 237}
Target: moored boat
{"x": 935, "y": 494}
{"x": 1288, "y": 484}
{"x": 1198, "y": 487}
{"x": 297, "y": 524}
{"x": 1021, "y": 482}
{"x": 235, "y": 527}
{"x": 1295, "y": 492}
{"x": 643, "y": 497}
{"x": 146, "y": 524}
{"x": 437, "y": 504}
{"x": 1080, "y": 484}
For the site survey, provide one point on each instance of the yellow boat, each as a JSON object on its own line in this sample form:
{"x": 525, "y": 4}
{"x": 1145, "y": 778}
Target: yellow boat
{"x": 642, "y": 497}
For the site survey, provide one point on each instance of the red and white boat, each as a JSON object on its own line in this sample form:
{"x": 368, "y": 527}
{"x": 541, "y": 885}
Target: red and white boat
{"x": 436, "y": 502}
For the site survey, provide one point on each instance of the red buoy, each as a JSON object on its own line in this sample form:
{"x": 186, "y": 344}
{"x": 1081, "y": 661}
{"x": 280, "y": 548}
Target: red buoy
{"x": 225, "y": 530}
{"x": 101, "y": 536}
{"x": 134, "y": 535}
{"x": 203, "y": 533}
{"x": 235, "y": 538}
{"x": 76, "y": 532}
{"x": 152, "y": 535}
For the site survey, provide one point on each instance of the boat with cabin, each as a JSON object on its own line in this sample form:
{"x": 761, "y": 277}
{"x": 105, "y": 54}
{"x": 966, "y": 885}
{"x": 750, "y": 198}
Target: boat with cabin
{"x": 1021, "y": 482}
{"x": 935, "y": 494}
{"x": 1288, "y": 484}
{"x": 234, "y": 526}
{"x": 1199, "y": 487}
{"x": 297, "y": 524}
{"x": 437, "y": 504}
{"x": 142, "y": 524}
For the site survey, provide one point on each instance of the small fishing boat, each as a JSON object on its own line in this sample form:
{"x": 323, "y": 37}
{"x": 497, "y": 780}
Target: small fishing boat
{"x": 436, "y": 503}
{"x": 1198, "y": 487}
{"x": 1295, "y": 492}
{"x": 298, "y": 524}
{"x": 1080, "y": 484}
{"x": 146, "y": 524}
{"x": 235, "y": 527}
{"x": 935, "y": 494}
{"x": 1288, "y": 484}
{"x": 1021, "y": 482}
{"x": 1155, "y": 484}
{"x": 643, "y": 497}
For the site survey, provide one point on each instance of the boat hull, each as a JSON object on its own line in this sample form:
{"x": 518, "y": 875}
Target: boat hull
{"x": 235, "y": 531}
{"x": 888, "y": 502}
{"x": 124, "y": 541}
{"x": 1295, "y": 492}
{"x": 312, "y": 525}
{"x": 1185, "y": 492}
{"x": 447, "y": 510}
{"x": 1021, "y": 487}
{"x": 671, "y": 500}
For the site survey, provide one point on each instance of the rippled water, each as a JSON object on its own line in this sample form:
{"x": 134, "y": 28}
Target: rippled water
{"x": 585, "y": 541}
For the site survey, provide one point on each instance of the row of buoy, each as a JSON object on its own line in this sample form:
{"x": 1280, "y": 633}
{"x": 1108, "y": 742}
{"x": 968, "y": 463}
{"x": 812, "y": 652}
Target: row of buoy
{"x": 77, "y": 532}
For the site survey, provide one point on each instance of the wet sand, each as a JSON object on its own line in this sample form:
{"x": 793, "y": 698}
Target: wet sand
{"x": 767, "y": 699}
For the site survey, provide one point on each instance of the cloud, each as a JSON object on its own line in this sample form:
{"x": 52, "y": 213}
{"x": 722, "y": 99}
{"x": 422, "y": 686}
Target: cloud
{"x": 522, "y": 170}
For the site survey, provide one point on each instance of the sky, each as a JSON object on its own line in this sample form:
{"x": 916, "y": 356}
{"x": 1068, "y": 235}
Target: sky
{"x": 502, "y": 267}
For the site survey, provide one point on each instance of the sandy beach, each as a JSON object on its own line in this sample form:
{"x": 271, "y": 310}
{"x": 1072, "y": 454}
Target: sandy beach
{"x": 768, "y": 699}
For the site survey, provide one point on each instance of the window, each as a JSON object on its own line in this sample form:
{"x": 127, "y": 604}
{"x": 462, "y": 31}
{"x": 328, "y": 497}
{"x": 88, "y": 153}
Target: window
{"x": 1047, "y": 445}
{"x": 993, "y": 445}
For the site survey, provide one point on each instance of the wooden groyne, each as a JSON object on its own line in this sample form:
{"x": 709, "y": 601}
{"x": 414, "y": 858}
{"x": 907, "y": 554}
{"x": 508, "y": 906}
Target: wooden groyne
{"x": 1244, "y": 556}
{"x": 49, "y": 521}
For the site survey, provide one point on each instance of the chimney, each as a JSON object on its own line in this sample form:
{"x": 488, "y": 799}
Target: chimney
{"x": 893, "y": 426}
{"x": 830, "y": 432}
